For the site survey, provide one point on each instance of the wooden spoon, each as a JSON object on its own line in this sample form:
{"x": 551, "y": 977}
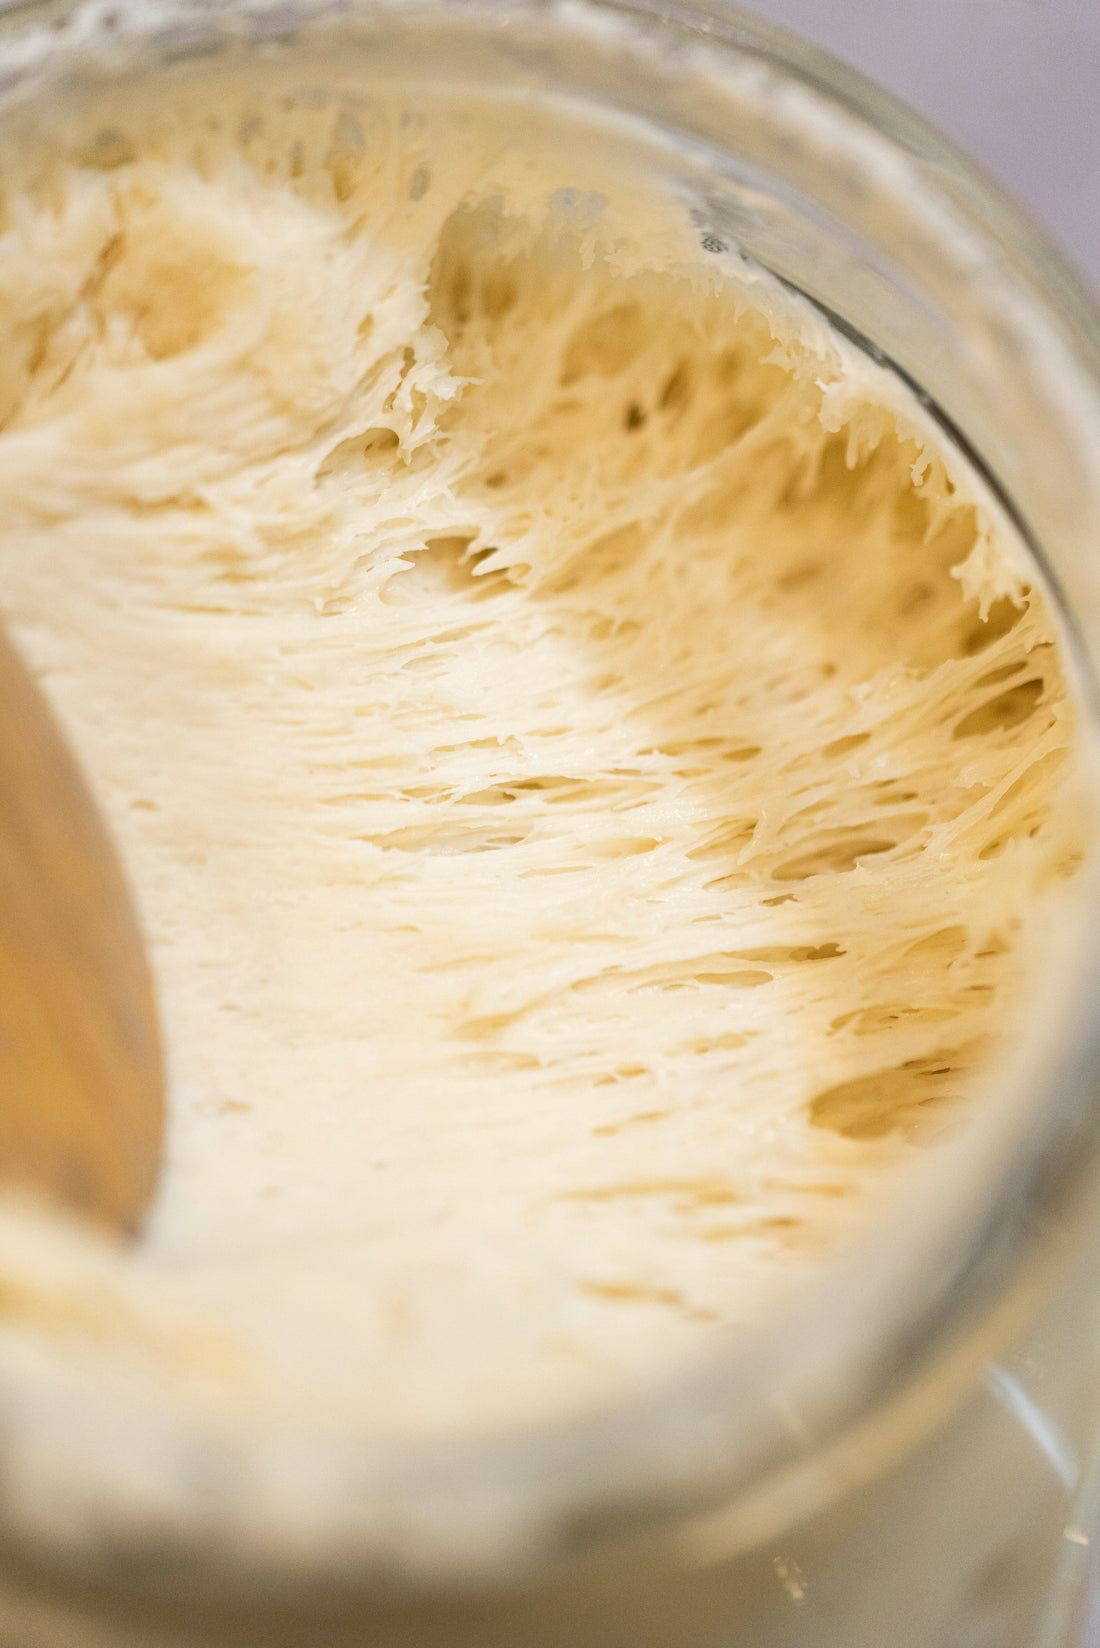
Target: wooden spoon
{"x": 81, "y": 1108}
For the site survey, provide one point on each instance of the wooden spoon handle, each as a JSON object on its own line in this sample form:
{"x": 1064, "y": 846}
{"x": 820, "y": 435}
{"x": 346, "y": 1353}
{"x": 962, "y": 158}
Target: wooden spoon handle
{"x": 81, "y": 1107}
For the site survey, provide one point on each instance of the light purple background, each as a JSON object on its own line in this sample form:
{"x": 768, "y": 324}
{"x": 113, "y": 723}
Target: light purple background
{"x": 1016, "y": 82}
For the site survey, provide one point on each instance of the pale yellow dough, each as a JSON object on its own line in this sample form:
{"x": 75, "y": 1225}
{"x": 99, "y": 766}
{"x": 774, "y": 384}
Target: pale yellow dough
{"x": 583, "y": 754}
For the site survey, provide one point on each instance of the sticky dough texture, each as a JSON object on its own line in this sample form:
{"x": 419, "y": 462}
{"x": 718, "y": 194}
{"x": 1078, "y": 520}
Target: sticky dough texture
{"x": 582, "y": 814}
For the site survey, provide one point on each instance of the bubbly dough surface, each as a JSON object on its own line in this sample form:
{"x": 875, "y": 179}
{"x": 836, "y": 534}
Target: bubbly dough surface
{"x": 584, "y": 761}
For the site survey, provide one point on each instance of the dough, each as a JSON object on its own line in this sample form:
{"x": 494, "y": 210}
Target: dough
{"x": 584, "y": 754}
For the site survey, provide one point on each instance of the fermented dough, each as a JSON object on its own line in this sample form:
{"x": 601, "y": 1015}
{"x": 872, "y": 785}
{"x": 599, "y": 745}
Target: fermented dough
{"x": 583, "y": 753}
